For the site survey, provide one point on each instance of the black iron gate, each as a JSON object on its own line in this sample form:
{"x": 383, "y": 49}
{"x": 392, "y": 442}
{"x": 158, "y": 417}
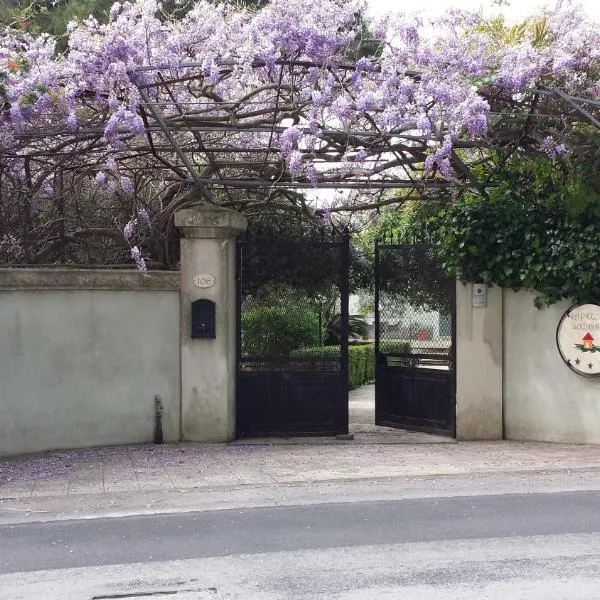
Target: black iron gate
{"x": 414, "y": 340}
{"x": 292, "y": 370}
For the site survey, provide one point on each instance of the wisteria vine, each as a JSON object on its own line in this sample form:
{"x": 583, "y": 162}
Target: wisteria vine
{"x": 283, "y": 96}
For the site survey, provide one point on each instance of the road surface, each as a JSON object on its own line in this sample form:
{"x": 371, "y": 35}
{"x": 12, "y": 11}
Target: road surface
{"x": 530, "y": 546}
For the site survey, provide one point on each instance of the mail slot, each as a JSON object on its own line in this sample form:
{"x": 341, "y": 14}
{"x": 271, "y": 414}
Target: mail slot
{"x": 203, "y": 319}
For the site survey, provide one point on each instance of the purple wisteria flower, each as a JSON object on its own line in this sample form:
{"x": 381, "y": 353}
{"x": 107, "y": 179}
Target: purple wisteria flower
{"x": 431, "y": 80}
{"x": 361, "y": 156}
{"x": 129, "y": 229}
{"x": 295, "y": 163}
{"x": 100, "y": 179}
{"x": 143, "y": 216}
{"x": 72, "y": 120}
{"x": 552, "y": 148}
{"x": 127, "y": 185}
{"x": 289, "y": 139}
{"x": 136, "y": 255}
{"x": 441, "y": 159}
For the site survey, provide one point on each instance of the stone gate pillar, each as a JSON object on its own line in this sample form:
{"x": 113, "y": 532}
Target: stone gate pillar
{"x": 208, "y": 364}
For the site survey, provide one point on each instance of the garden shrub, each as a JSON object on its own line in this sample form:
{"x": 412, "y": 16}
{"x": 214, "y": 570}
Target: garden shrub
{"x": 369, "y": 374}
{"x": 361, "y": 361}
{"x": 361, "y": 358}
{"x": 394, "y": 346}
{"x": 356, "y": 366}
{"x": 391, "y": 346}
{"x": 276, "y": 331}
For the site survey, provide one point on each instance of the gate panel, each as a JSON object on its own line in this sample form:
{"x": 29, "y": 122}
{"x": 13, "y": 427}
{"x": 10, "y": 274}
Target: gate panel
{"x": 414, "y": 340}
{"x": 289, "y": 383}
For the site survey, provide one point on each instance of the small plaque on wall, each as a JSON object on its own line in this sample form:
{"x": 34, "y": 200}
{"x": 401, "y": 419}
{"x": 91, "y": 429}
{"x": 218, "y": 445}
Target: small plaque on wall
{"x": 578, "y": 339}
{"x": 204, "y": 280}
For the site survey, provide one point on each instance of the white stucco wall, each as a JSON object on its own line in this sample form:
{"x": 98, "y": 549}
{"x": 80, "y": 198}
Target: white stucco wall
{"x": 543, "y": 399}
{"x": 478, "y": 365}
{"x": 82, "y": 357}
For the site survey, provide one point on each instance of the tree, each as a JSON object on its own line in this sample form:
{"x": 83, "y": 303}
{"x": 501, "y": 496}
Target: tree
{"x": 112, "y": 135}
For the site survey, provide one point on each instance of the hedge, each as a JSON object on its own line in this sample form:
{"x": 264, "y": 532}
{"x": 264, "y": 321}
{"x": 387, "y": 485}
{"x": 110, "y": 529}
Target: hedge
{"x": 276, "y": 331}
{"x": 361, "y": 361}
{"x": 361, "y": 358}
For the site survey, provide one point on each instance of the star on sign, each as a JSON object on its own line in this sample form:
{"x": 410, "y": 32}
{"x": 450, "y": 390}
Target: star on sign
{"x": 577, "y": 361}
{"x": 590, "y": 365}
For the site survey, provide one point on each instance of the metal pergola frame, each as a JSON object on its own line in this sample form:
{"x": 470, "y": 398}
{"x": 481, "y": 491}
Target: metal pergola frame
{"x": 407, "y": 148}
{"x": 239, "y": 164}
{"x": 204, "y": 148}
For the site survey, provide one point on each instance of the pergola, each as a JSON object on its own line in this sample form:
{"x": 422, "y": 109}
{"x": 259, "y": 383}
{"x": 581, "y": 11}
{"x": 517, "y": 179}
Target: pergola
{"x": 230, "y": 149}
{"x": 236, "y": 144}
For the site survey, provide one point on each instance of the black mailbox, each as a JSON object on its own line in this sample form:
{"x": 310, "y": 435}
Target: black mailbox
{"x": 203, "y": 319}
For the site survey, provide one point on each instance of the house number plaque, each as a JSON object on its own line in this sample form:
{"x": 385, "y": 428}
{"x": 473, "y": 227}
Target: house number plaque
{"x": 578, "y": 339}
{"x": 204, "y": 280}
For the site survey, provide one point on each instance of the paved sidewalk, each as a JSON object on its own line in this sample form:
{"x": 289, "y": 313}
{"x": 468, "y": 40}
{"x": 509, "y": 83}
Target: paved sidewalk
{"x": 181, "y": 466}
{"x": 147, "y": 477}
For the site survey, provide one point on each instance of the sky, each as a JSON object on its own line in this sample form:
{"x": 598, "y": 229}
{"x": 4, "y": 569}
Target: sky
{"x": 517, "y": 9}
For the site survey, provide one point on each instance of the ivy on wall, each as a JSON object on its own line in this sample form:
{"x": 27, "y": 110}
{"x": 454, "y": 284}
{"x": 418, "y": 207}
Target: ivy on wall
{"x": 536, "y": 226}
{"x": 514, "y": 244}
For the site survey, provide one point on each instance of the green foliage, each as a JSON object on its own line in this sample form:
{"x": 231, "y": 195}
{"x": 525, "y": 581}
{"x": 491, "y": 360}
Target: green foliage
{"x": 361, "y": 361}
{"x": 276, "y": 331}
{"x": 414, "y": 276}
{"x": 369, "y": 362}
{"x": 571, "y": 182}
{"x": 367, "y": 45}
{"x": 392, "y": 346}
{"x": 361, "y": 266}
{"x": 53, "y": 16}
{"x": 536, "y": 228}
{"x": 15, "y": 14}
{"x": 409, "y": 222}
{"x": 514, "y": 244}
{"x": 280, "y": 249}
{"x": 357, "y": 368}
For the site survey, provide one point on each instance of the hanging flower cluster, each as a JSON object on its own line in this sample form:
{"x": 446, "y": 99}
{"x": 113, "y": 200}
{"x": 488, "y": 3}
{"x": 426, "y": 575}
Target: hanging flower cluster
{"x": 229, "y": 66}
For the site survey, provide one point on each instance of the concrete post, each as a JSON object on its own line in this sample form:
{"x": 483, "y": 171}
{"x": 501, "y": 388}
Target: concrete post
{"x": 208, "y": 365}
{"x": 479, "y": 414}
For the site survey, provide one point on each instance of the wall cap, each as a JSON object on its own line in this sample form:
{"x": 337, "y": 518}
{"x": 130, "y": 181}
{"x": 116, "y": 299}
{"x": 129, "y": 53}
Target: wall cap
{"x": 206, "y": 221}
{"x": 88, "y": 279}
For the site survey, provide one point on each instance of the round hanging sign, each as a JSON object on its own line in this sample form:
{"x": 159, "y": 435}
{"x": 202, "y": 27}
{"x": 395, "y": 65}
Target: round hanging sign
{"x": 578, "y": 339}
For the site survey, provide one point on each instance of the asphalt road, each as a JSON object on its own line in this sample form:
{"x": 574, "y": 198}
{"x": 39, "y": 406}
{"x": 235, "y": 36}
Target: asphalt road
{"x": 517, "y": 546}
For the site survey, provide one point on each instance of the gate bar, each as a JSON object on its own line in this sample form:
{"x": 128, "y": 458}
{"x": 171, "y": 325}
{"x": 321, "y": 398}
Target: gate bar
{"x": 376, "y": 300}
{"x": 344, "y": 276}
